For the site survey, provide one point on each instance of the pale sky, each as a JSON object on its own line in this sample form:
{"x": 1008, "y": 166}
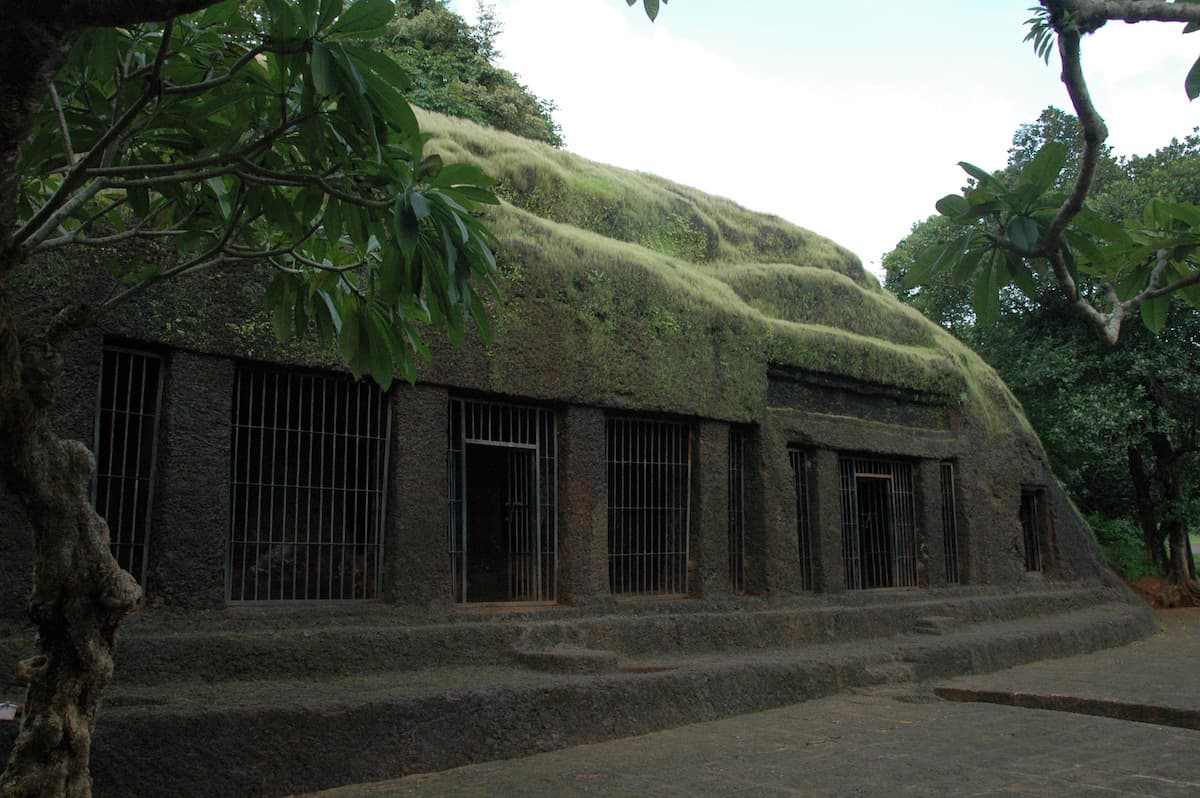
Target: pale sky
{"x": 849, "y": 123}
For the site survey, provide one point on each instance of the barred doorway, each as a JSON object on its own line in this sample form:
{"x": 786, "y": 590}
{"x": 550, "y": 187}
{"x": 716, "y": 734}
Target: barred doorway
{"x": 310, "y": 456}
{"x": 503, "y": 525}
{"x": 879, "y": 542}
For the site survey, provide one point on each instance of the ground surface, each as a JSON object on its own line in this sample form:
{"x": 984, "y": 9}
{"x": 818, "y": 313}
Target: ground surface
{"x": 898, "y": 741}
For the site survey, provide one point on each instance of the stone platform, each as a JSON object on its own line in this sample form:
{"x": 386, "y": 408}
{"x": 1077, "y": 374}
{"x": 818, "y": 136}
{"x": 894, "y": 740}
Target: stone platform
{"x": 273, "y": 701}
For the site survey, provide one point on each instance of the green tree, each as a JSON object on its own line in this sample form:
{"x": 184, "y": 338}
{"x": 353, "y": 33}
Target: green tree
{"x": 272, "y": 140}
{"x": 451, "y": 70}
{"x": 1119, "y": 424}
{"x": 1014, "y": 227}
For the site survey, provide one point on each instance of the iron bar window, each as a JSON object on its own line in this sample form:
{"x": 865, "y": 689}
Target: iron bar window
{"x": 804, "y": 535}
{"x": 949, "y": 523}
{"x": 503, "y": 502}
{"x": 649, "y": 498}
{"x": 307, "y": 484}
{"x": 737, "y": 509}
{"x": 1032, "y": 527}
{"x": 126, "y": 447}
{"x": 879, "y": 542}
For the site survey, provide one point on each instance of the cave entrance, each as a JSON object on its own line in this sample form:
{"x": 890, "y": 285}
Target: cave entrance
{"x": 503, "y": 497}
{"x": 501, "y": 549}
{"x": 879, "y": 542}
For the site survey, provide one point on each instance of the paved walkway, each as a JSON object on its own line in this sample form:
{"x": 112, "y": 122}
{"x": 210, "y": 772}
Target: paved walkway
{"x": 894, "y": 741}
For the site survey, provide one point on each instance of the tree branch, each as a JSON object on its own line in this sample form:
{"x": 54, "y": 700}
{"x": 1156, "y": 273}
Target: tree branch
{"x": 212, "y": 83}
{"x": 257, "y": 174}
{"x": 1092, "y": 13}
{"x": 35, "y": 229}
{"x": 56, "y": 104}
{"x": 1094, "y": 134}
{"x": 51, "y": 221}
{"x": 177, "y": 167}
{"x": 210, "y": 258}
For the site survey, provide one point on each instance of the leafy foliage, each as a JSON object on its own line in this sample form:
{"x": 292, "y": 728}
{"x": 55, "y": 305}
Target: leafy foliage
{"x": 1031, "y": 222}
{"x": 1099, "y": 410}
{"x": 1002, "y": 218}
{"x": 451, "y": 71}
{"x": 280, "y": 136}
{"x": 651, "y": 6}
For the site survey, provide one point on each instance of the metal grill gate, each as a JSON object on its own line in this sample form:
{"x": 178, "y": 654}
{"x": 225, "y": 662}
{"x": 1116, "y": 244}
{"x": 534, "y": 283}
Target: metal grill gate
{"x": 649, "y": 500}
{"x": 503, "y": 502}
{"x": 737, "y": 509}
{"x": 126, "y": 447}
{"x": 879, "y": 541}
{"x": 799, "y": 460}
{"x": 1031, "y": 526}
{"x": 949, "y": 524}
{"x": 310, "y": 456}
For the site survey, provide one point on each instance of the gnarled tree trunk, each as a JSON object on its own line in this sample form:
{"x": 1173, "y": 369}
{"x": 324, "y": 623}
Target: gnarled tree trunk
{"x": 79, "y": 593}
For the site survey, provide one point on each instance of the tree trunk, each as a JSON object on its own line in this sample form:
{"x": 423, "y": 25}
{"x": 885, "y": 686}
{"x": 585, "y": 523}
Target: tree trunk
{"x": 1174, "y": 525}
{"x": 79, "y": 593}
{"x": 1152, "y": 535}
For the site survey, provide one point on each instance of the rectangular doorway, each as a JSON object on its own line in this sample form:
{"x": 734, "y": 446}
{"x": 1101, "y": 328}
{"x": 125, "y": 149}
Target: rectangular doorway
{"x": 879, "y": 542}
{"x": 503, "y": 503}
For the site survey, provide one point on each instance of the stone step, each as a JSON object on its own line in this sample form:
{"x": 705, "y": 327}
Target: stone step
{"x": 292, "y": 736}
{"x": 287, "y": 643}
{"x": 563, "y": 659}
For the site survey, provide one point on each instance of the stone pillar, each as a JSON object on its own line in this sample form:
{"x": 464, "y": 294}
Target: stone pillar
{"x": 417, "y": 567}
{"x": 708, "y": 561}
{"x": 754, "y": 489}
{"x": 583, "y": 507}
{"x": 931, "y": 547}
{"x": 825, "y": 500}
{"x": 191, "y": 501}
{"x": 781, "y": 555}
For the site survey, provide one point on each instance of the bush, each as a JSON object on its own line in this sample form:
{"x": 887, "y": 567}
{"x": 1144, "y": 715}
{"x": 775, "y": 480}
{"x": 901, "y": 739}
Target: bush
{"x": 1121, "y": 541}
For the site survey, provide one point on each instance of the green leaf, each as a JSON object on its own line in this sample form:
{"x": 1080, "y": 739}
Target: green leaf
{"x": 1191, "y": 84}
{"x": 1154, "y": 313}
{"x": 218, "y": 14}
{"x": 966, "y": 265}
{"x": 953, "y": 205}
{"x": 382, "y": 64}
{"x": 382, "y": 91}
{"x": 1191, "y": 294}
{"x": 651, "y": 9}
{"x": 1045, "y": 167}
{"x": 462, "y": 174}
{"x": 324, "y": 71}
{"x": 329, "y": 11}
{"x": 1022, "y": 232}
{"x": 283, "y": 23}
{"x": 926, "y": 264}
{"x": 479, "y": 314}
{"x": 420, "y": 204}
{"x": 986, "y": 297}
{"x": 986, "y": 179}
{"x": 363, "y": 16}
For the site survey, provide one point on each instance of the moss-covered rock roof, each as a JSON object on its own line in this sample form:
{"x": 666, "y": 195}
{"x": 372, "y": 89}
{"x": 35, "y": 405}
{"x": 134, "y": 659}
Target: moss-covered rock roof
{"x": 620, "y": 287}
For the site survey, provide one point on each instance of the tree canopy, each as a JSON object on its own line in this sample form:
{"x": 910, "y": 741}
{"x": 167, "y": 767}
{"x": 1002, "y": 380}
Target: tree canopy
{"x": 1031, "y": 224}
{"x": 1118, "y": 423}
{"x": 451, "y": 66}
